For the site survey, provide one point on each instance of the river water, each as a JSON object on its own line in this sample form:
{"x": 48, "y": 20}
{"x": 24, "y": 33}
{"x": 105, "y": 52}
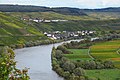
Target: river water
{"x": 38, "y": 59}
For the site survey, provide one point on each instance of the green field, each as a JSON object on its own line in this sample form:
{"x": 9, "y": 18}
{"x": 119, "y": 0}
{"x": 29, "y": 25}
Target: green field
{"x": 78, "y": 54}
{"x": 107, "y": 51}
{"x": 105, "y": 74}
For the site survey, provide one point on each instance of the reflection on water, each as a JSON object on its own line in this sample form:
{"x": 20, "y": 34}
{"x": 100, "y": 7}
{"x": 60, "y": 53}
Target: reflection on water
{"x": 38, "y": 59}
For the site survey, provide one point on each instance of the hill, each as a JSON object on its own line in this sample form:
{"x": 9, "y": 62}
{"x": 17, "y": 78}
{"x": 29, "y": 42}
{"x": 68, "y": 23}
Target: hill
{"x": 16, "y": 31}
{"x": 109, "y": 9}
{"x": 82, "y": 25}
{"x": 13, "y": 26}
{"x": 29, "y": 8}
{"x": 103, "y": 13}
{"x": 49, "y": 16}
{"x": 74, "y": 23}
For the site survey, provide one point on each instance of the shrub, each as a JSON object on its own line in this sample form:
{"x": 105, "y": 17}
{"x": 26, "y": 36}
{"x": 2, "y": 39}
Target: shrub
{"x": 8, "y": 70}
{"x": 79, "y": 72}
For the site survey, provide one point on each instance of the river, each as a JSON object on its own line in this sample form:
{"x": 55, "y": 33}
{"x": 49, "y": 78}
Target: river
{"x": 38, "y": 59}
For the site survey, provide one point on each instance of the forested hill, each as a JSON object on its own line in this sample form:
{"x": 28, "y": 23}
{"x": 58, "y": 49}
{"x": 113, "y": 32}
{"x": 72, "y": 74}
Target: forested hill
{"x": 62, "y": 10}
{"x": 110, "y": 9}
{"x": 29, "y": 8}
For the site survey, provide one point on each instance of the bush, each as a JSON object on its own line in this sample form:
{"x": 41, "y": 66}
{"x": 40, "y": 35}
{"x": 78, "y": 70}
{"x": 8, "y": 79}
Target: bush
{"x": 58, "y": 54}
{"x": 68, "y": 66}
{"x": 8, "y": 70}
{"x": 79, "y": 72}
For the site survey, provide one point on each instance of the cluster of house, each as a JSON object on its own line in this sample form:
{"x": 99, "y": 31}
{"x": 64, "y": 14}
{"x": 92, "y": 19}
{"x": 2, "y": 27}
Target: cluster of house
{"x": 43, "y": 20}
{"x": 68, "y": 34}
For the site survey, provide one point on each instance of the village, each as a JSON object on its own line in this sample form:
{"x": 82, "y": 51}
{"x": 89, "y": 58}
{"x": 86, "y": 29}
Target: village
{"x": 38, "y": 20}
{"x": 56, "y": 35}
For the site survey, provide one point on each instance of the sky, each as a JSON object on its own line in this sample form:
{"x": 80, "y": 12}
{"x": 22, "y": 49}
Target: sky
{"x": 91, "y": 4}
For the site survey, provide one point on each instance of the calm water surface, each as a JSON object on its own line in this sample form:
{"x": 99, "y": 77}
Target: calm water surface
{"x": 38, "y": 59}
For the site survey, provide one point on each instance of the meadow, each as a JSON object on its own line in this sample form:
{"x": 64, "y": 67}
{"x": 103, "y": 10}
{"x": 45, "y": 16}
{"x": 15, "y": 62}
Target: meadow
{"x": 78, "y": 54}
{"x": 105, "y": 74}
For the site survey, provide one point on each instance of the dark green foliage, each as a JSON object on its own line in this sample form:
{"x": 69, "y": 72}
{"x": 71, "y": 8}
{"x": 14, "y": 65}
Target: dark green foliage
{"x": 63, "y": 49}
{"x": 8, "y": 70}
{"x": 68, "y": 66}
{"x": 85, "y": 44}
{"x": 108, "y": 64}
{"x": 58, "y": 54}
{"x": 79, "y": 72}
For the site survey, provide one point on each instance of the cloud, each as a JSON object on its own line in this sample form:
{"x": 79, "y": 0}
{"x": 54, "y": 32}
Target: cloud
{"x": 111, "y": 3}
{"x": 89, "y": 3}
{"x": 67, "y": 3}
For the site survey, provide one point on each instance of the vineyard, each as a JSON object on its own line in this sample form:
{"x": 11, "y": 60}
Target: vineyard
{"x": 107, "y": 51}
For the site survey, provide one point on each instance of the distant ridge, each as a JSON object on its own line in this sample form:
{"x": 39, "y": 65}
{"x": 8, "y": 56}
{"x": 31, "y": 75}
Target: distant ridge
{"x": 30, "y": 8}
{"x": 109, "y": 9}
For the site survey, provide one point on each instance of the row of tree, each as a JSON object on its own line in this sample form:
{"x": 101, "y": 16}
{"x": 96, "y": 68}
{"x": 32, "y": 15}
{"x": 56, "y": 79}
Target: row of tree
{"x": 84, "y": 44}
{"x": 65, "y": 67}
{"x": 33, "y": 43}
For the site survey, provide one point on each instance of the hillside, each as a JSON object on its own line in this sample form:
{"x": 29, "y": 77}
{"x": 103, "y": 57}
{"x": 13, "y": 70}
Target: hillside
{"x": 82, "y": 25}
{"x": 13, "y": 30}
{"x": 75, "y": 22}
{"x": 104, "y": 15}
{"x": 109, "y": 9}
{"x": 61, "y": 10}
{"x": 29, "y": 8}
{"x": 64, "y": 12}
{"x": 49, "y": 16}
{"x": 13, "y": 26}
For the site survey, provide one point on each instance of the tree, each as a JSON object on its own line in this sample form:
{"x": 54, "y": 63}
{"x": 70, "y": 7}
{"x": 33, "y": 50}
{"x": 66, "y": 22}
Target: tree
{"x": 108, "y": 64}
{"x": 68, "y": 66}
{"x": 58, "y": 54}
{"x": 66, "y": 75}
{"x": 79, "y": 72}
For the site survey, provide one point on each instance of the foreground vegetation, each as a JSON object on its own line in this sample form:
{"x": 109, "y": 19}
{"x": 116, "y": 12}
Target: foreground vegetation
{"x": 8, "y": 70}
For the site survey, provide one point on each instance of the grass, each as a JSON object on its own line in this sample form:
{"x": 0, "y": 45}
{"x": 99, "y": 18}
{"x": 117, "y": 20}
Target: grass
{"x": 106, "y": 51}
{"x": 78, "y": 54}
{"x": 105, "y": 74}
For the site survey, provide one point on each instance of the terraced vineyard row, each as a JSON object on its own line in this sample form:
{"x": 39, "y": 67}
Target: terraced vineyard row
{"x": 107, "y": 51}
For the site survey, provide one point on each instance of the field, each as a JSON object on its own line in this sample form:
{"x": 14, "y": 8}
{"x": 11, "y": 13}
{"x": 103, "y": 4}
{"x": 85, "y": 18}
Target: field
{"x": 111, "y": 74}
{"x": 107, "y": 51}
{"x": 78, "y": 54}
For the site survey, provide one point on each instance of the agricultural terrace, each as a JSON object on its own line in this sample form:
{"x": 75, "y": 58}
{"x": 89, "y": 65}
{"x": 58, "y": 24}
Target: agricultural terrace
{"x": 107, "y": 51}
{"x": 78, "y": 54}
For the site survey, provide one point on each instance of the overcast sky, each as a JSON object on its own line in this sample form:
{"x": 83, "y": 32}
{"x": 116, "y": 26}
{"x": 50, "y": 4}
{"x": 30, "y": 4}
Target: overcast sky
{"x": 66, "y": 3}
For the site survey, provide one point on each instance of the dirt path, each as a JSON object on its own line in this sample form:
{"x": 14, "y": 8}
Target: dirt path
{"x": 90, "y": 54}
